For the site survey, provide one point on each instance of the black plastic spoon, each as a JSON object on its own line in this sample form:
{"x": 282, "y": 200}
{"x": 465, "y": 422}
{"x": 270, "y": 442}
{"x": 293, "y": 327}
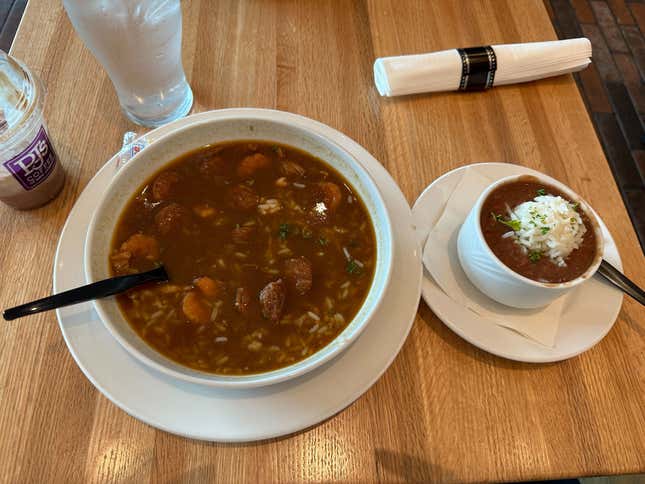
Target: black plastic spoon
{"x": 96, "y": 290}
{"x": 621, "y": 281}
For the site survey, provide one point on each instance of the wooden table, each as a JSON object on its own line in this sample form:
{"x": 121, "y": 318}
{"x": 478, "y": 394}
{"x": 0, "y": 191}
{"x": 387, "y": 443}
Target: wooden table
{"x": 444, "y": 411}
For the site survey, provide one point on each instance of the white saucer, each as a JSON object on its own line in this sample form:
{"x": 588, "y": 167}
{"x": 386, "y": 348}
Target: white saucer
{"x": 240, "y": 415}
{"x": 589, "y": 313}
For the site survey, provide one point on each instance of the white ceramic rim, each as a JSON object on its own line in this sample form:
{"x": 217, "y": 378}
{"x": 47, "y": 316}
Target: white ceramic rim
{"x": 328, "y": 352}
{"x": 591, "y": 270}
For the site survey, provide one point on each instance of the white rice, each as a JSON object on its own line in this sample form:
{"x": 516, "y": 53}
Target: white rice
{"x": 549, "y": 226}
{"x": 270, "y": 206}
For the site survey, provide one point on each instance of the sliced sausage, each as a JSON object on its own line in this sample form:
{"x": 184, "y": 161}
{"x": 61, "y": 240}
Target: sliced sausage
{"x": 331, "y": 194}
{"x": 243, "y": 197}
{"x": 242, "y": 300}
{"x": 298, "y": 272}
{"x": 251, "y": 164}
{"x": 171, "y": 218}
{"x": 243, "y": 235}
{"x": 211, "y": 288}
{"x": 195, "y": 308}
{"x": 291, "y": 169}
{"x": 272, "y": 299}
{"x": 165, "y": 185}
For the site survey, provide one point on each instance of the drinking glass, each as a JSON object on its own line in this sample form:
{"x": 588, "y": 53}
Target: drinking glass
{"x": 138, "y": 42}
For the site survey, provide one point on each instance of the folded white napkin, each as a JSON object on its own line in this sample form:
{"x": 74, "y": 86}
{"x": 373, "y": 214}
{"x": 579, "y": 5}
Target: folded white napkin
{"x": 442, "y": 262}
{"x": 448, "y": 70}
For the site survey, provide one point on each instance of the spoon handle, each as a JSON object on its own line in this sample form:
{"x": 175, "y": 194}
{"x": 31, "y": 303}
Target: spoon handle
{"x": 619, "y": 280}
{"x": 96, "y": 290}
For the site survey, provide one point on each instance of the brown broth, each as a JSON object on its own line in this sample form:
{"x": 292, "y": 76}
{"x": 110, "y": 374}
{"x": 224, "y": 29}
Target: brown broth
{"x": 511, "y": 254}
{"x": 212, "y": 226}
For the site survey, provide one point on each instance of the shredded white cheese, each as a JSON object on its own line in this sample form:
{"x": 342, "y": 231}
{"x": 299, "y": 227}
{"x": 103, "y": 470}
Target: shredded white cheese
{"x": 549, "y": 226}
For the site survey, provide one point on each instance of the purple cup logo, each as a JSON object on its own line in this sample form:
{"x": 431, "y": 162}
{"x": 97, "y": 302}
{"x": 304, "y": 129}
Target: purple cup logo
{"x": 34, "y": 164}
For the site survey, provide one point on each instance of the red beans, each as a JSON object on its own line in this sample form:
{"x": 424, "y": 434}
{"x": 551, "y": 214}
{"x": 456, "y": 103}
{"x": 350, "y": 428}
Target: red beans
{"x": 272, "y": 299}
{"x": 298, "y": 272}
{"x": 165, "y": 185}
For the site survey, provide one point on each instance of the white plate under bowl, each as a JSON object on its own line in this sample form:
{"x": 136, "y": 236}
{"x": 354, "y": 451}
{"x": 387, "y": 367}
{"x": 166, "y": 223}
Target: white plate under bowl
{"x": 232, "y": 415}
{"x": 589, "y": 311}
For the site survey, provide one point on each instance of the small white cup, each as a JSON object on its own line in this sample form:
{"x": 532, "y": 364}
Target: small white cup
{"x": 498, "y": 281}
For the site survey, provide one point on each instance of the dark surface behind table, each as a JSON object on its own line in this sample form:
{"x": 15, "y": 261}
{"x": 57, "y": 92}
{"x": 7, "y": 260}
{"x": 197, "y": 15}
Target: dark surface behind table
{"x": 612, "y": 86}
{"x": 10, "y": 15}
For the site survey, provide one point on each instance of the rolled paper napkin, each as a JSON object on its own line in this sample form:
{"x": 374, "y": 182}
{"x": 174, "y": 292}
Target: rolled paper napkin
{"x": 478, "y": 68}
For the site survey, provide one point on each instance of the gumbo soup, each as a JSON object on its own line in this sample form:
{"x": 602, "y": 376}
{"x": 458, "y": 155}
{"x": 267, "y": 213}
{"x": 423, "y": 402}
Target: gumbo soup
{"x": 270, "y": 253}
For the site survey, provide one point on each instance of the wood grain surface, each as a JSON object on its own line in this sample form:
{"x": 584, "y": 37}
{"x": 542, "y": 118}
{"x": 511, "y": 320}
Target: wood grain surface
{"x": 444, "y": 411}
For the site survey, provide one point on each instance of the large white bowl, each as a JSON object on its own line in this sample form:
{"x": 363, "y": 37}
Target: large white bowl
{"x": 169, "y": 147}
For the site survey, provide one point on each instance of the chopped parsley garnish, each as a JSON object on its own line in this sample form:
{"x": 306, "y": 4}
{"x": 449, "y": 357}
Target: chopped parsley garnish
{"x": 575, "y": 206}
{"x": 284, "y": 231}
{"x": 541, "y": 192}
{"x": 322, "y": 241}
{"x": 514, "y": 224}
{"x": 545, "y": 230}
{"x": 535, "y": 256}
{"x": 352, "y": 267}
{"x": 306, "y": 233}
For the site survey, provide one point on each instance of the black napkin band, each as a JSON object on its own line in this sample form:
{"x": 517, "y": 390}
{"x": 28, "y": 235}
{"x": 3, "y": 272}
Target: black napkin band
{"x": 478, "y": 66}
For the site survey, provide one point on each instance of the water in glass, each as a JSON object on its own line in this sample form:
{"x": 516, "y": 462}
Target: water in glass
{"x": 138, "y": 42}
